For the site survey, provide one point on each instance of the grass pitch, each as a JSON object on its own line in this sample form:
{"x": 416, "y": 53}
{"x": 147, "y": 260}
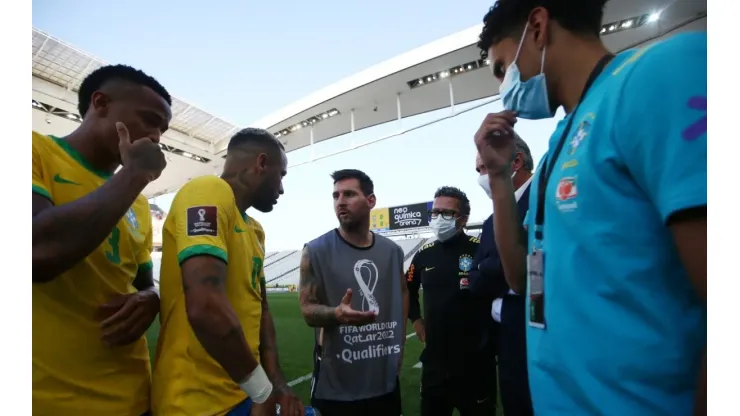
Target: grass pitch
{"x": 295, "y": 346}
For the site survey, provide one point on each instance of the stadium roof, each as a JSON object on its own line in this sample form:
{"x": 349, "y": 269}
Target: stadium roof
{"x": 443, "y": 73}
{"x": 449, "y": 71}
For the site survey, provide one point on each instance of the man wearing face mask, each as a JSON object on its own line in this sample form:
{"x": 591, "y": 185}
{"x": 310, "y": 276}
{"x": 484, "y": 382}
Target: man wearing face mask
{"x": 458, "y": 371}
{"x": 613, "y": 252}
{"x": 487, "y": 281}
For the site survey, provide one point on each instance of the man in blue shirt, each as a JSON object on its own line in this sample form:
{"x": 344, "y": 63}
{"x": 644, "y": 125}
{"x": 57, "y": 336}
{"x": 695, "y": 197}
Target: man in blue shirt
{"x": 614, "y": 256}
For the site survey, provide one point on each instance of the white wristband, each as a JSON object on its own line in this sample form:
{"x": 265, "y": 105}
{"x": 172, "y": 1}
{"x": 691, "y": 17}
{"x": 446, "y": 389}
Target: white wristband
{"x": 257, "y": 385}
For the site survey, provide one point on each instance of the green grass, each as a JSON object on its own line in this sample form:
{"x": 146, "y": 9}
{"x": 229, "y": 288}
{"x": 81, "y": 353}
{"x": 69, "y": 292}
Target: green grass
{"x": 295, "y": 346}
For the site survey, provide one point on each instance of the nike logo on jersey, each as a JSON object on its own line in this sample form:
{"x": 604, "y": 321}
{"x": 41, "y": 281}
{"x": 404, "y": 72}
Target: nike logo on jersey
{"x": 238, "y": 230}
{"x": 426, "y": 269}
{"x": 59, "y": 179}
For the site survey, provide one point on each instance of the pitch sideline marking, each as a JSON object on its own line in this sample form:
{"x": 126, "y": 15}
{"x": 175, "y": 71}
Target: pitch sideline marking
{"x": 306, "y": 377}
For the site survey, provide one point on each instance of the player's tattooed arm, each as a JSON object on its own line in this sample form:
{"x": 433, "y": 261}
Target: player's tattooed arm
{"x": 268, "y": 346}
{"x": 58, "y": 242}
{"x": 315, "y": 311}
{"x": 212, "y": 318}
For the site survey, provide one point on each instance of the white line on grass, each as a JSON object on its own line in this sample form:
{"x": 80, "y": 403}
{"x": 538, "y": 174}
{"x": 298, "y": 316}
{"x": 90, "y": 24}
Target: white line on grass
{"x": 301, "y": 379}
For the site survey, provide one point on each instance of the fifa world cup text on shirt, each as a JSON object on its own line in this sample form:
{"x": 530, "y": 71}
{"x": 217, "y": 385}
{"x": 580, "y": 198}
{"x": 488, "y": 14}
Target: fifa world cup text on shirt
{"x": 204, "y": 220}
{"x": 359, "y": 362}
{"x": 73, "y": 372}
{"x": 625, "y": 330}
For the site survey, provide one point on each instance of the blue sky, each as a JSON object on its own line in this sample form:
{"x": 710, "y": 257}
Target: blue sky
{"x": 243, "y": 60}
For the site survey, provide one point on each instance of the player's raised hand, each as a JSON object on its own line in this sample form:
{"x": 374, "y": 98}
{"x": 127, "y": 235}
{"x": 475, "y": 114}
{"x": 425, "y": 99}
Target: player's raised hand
{"x": 346, "y": 315}
{"x": 495, "y": 141}
{"x": 142, "y": 156}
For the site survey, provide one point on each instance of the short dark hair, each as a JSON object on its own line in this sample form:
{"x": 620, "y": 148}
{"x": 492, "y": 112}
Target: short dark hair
{"x": 95, "y": 80}
{"x": 452, "y": 192}
{"x": 251, "y": 136}
{"x": 507, "y": 18}
{"x": 366, "y": 184}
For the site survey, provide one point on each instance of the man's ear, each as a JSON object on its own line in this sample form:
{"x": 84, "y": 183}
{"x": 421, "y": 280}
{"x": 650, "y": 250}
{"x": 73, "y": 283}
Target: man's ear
{"x": 262, "y": 160}
{"x": 463, "y": 222}
{"x": 98, "y": 103}
{"x": 539, "y": 23}
{"x": 518, "y": 162}
{"x": 372, "y": 201}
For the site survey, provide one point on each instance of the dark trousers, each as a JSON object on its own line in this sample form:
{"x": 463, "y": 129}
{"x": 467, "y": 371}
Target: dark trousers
{"x": 472, "y": 394}
{"x": 512, "y": 361}
{"x": 385, "y": 405}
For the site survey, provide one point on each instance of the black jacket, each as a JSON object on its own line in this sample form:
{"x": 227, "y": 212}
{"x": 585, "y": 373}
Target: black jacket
{"x": 452, "y": 315}
{"x": 487, "y": 277}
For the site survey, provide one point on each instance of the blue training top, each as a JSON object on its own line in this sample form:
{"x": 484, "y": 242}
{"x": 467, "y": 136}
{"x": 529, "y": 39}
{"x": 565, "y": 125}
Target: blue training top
{"x": 625, "y": 331}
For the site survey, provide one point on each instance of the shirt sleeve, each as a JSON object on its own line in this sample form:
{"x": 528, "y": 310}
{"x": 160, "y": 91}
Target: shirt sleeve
{"x": 144, "y": 257}
{"x": 203, "y": 216}
{"x": 413, "y": 282}
{"x": 662, "y": 135}
{"x": 40, "y": 179}
{"x": 259, "y": 232}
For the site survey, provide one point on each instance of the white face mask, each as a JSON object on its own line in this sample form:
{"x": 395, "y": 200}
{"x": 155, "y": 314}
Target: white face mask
{"x": 443, "y": 229}
{"x": 486, "y": 185}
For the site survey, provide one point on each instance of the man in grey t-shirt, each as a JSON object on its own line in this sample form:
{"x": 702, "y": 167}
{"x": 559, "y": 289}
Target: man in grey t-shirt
{"x": 353, "y": 291}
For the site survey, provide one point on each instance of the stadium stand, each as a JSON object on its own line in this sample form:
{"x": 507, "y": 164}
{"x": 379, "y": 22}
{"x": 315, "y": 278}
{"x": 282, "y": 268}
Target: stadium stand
{"x": 283, "y": 267}
{"x": 280, "y": 267}
{"x": 277, "y": 257}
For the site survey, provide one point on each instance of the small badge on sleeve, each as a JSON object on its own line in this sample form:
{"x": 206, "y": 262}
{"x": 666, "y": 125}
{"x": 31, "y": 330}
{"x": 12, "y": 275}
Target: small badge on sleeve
{"x": 202, "y": 221}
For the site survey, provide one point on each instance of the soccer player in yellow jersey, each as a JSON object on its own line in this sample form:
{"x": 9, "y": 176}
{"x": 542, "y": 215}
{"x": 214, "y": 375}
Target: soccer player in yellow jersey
{"x": 217, "y": 353}
{"x": 92, "y": 238}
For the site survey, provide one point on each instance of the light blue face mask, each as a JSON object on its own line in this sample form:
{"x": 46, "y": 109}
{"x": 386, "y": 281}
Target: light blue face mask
{"x": 528, "y": 98}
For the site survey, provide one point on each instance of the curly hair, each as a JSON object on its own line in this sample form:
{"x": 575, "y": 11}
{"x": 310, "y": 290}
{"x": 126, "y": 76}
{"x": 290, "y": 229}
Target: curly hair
{"x": 96, "y": 79}
{"x": 507, "y": 18}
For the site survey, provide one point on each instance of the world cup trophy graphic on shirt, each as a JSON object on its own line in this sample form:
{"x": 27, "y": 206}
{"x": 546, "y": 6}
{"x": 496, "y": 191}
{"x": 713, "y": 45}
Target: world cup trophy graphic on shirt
{"x": 370, "y": 270}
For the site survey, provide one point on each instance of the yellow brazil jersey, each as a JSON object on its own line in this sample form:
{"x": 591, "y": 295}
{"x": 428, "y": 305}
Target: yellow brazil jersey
{"x": 73, "y": 372}
{"x": 204, "y": 220}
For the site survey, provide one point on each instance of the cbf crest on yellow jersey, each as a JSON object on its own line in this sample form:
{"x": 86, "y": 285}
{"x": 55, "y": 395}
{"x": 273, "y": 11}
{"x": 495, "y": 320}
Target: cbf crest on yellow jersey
{"x": 73, "y": 372}
{"x": 204, "y": 220}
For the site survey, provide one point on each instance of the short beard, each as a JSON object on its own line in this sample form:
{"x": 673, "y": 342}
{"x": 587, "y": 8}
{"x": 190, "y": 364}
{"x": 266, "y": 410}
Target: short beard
{"x": 351, "y": 225}
{"x": 262, "y": 199}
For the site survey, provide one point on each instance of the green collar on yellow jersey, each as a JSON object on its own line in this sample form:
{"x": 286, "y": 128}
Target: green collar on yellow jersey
{"x": 74, "y": 154}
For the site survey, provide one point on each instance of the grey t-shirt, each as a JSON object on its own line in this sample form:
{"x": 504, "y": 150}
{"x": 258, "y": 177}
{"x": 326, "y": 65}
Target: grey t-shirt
{"x": 359, "y": 362}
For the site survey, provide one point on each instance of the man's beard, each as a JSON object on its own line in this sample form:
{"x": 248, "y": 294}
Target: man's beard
{"x": 264, "y": 199}
{"x": 350, "y": 223}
